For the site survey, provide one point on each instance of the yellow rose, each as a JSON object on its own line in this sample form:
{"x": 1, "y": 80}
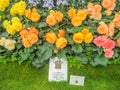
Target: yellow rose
{"x": 78, "y": 37}
{"x": 17, "y": 26}
{"x": 88, "y": 38}
{"x": 15, "y": 20}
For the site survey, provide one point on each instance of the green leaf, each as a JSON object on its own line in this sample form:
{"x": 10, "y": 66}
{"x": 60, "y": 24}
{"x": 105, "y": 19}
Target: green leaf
{"x": 77, "y": 48}
{"x": 99, "y": 61}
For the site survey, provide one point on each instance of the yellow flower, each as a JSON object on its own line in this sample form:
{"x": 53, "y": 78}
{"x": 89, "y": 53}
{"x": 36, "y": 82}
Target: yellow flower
{"x": 3, "y": 4}
{"x": 15, "y": 20}
{"x": 82, "y": 14}
{"x": 71, "y": 12}
{"x": 88, "y": 38}
{"x": 6, "y": 23}
{"x": 52, "y": 12}
{"x": 17, "y": 26}
{"x": 85, "y": 31}
{"x": 10, "y": 30}
{"x": 78, "y": 37}
{"x": 108, "y": 12}
{"x": 10, "y": 44}
{"x": 76, "y": 21}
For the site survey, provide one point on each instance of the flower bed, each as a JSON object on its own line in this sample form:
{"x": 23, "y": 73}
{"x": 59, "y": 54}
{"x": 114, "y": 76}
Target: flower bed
{"x": 36, "y": 30}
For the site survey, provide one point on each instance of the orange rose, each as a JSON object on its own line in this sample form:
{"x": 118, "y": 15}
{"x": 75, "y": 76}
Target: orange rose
{"x": 50, "y": 37}
{"x": 71, "y": 12}
{"x": 28, "y": 13}
{"x": 61, "y": 43}
{"x": 97, "y": 16}
{"x": 109, "y": 4}
{"x": 24, "y": 33}
{"x": 33, "y": 30}
{"x": 51, "y": 21}
{"x": 116, "y": 20}
{"x": 118, "y": 42}
{"x": 85, "y": 31}
{"x": 102, "y": 28}
{"x": 26, "y": 43}
{"x": 32, "y": 38}
{"x": 97, "y": 8}
{"x": 76, "y": 21}
{"x": 78, "y": 37}
{"x": 82, "y": 14}
{"x": 61, "y": 33}
{"x": 58, "y": 16}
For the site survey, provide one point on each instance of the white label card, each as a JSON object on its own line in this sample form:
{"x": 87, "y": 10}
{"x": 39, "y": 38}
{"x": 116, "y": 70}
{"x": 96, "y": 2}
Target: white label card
{"x": 77, "y": 80}
{"x": 58, "y": 69}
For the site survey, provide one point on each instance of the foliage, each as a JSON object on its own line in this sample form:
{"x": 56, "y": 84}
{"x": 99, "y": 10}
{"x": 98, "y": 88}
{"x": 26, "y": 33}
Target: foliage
{"x": 85, "y": 31}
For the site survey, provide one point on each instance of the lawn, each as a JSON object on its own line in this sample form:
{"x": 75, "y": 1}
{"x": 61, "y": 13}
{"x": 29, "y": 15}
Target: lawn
{"x": 26, "y": 77}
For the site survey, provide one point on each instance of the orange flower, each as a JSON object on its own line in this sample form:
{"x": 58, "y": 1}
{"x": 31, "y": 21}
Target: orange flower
{"x": 33, "y": 30}
{"x": 76, "y": 21}
{"x": 97, "y": 15}
{"x": 55, "y": 51}
{"x": 82, "y": 14}
{"x": 28, "y": 13}
{"x": 61, "y": 43}
{"x": 50, "y": 37}
{"x": 71, "y": 12}
{"x": 109, "y": 4}
{"x": 52, "y": 12}
{"x": 32, "y": 38}
{"x": 102, "y": 28}
{"x": 61, "y": 33}
{"x": 51, "y": 21}
{"x": 116, "y": 20}
{"x": 58, "y": 16}
{"x": 88, "y": 38}
{"x": 26, "y": 43}
{"x": 85, "y": 31}
{"x": 24, "y": 33}
{"x": 97, "y": 8}
{"x": 108, "y": 12}
{"x": 90, "y": 5}
{"x": 118, "y": 42}
{"x": 78, "y": 37}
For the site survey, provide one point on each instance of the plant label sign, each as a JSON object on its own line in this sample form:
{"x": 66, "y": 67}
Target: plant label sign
{"x": 77, "y": 80}
{"x": 58, "y": 69}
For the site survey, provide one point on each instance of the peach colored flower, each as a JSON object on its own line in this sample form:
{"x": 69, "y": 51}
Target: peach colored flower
{"x": 61, "y": 43}
{"x": 109, "y": 4}
{"x": 82, "y": 14}
{"x": 78, "y": 37}
{"x": 100, "y": 41}
{"x": 33, "y": 30}
{"x": 109, "y": 44}
{"x": 97, "y": 8}
{"x": 108, "y": 53}
{"x": 108, "y": 12}
{"x": 26, "y": 43}
{"x": 116, "y": 20}
{"x": 24, "y": 33}
{"x": 76, "y": 21}
{"x": 32, "y": 38}
{"x": 97, "y": 15}
{"x": 118, "y": 42}
{"x": 102, "y": 28}
{"x": 61, "y": 33}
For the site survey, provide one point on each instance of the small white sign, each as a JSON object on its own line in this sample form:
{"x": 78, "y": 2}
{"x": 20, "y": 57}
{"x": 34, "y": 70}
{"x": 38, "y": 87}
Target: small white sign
{"x": 77, "y": 80}
{"x": 58, "y": 69}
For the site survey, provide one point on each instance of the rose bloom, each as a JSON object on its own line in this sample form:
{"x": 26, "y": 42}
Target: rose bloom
{"x": 58, "y": 16}
{"x": 108, "y": 12}
{"x": 85, "y": 31}
{"x": 61, "y": 33}
{"x": 71, "y": 12}
{"x": 2, "y": 41}
{"x": 102, "y": 28}
{"x": 100, "y": 41}
{"x": 76, "y": 21}
{"x": 10, "y": 44}
{"x": 82, "y": 14}
{"x": 78, "y": 37}
{"x": 108, "y": 53}
{"x": 51, "y": 37}
{"x": 88, "y": 38}
{"x": 26, "y": 43}
{"x": 51, "y": 21}
{"x": 118, "y": 42}
{"x": 61, "y": 43}
{"x": 109, "y": 44}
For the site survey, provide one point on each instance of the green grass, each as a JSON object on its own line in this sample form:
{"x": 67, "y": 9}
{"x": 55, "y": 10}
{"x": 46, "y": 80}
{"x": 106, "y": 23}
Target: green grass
{"x": 22, "y": 77}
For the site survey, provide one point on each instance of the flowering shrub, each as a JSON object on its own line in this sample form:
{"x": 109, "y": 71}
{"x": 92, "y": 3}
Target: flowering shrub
{"x": 33, "y": 31}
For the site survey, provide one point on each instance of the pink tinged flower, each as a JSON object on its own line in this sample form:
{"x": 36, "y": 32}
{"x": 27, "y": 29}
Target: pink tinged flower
{"x": 110, "y": 44}
{"x": 108, "y": 53}
{"x": 100, "y": 41}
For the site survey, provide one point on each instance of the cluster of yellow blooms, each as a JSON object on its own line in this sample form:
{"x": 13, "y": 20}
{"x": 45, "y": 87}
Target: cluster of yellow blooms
{"x": 4, "y": 4}
{"x": 84, "y": 35}
{"x": 18, "y": 8}
{"x": 14, "y": 26}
